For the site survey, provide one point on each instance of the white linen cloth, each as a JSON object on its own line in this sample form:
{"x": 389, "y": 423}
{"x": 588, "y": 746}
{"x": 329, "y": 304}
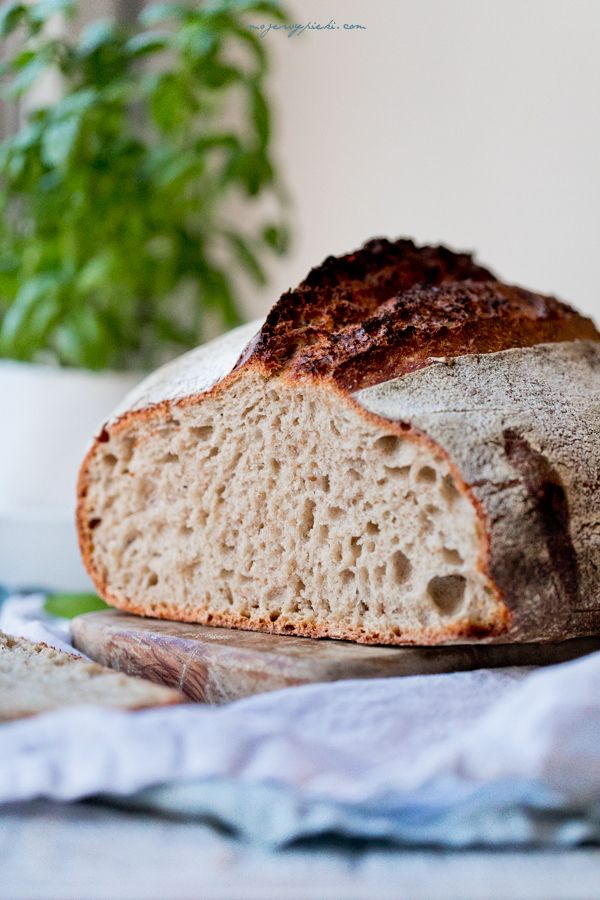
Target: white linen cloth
{"x": 486, "y": 756}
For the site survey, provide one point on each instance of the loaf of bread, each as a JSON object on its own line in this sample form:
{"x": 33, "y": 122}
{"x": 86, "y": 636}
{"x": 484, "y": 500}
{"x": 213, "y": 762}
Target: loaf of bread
{"x": 405, "y": 451}
{"x": 35, "y": 678}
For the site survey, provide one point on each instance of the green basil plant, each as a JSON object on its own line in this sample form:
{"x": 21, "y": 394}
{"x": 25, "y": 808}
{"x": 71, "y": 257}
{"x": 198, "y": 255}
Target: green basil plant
{"x": 124, "y": 220}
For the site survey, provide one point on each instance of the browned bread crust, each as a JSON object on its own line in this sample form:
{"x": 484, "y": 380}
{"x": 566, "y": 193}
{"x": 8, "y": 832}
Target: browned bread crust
{"x": 391, "y": 307}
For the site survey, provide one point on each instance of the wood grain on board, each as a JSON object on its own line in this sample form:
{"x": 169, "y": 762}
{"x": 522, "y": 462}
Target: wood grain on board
{"x": 217, "y": 665}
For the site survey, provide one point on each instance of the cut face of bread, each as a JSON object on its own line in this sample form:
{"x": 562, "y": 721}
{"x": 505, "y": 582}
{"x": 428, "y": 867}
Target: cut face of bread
{"x": 35, "y": 678}
{"x": 386, "y": 463}
{"x": 280, "y": 507}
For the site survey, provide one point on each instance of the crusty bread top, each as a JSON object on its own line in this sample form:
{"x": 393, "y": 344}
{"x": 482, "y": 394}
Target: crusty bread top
{"x": 35, "y": 678}
{"x": 390, "y": 307}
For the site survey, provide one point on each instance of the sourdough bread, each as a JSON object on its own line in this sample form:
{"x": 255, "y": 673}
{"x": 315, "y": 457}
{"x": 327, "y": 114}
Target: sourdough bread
{"x": 405, "y": 451}
{"x": 35, "y": 678}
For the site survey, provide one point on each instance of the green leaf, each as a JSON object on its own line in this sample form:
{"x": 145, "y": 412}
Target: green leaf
{"x": 28, "y": 74}
{"x": 67, "y": 606}
{"x": 30, "y": 317}
{"x": 198, "y": 40}
{"x": 88, "y": 338}
{"x": 252, "y": 169}
{"x": 246, "y": 257}
{"x": 59, "y": 141}
{"x": 95, "y": 272}
{"x": 277, "y": 237}
{"x": 260, "y": 116}
{"x": 76, "y": 104}
{"x": 96, "y": 35}
{"x": 171, "y": 102}
{"x": 11, "y": 16}
{"x": 23, "y": 58}
{"x": 146, "y": 43}
{"x": 218, "y": 75}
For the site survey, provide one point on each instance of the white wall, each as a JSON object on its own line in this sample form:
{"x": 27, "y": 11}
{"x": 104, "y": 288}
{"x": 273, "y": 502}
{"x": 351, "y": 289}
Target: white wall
{"x": 470, "y": 122}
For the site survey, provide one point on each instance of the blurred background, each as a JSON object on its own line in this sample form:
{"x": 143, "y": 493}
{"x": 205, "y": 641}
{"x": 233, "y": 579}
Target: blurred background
{"x": 466, "y": 122}
{"x": 471, "y": 122}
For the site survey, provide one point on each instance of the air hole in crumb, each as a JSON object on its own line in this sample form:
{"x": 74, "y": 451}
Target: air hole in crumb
{"x": 324, "y": 483}
{"x": 169, "y": 458}
{"x": 93, "y": 523}
{"x": 426, "y": 524}
{"x": 109, "y": 459}
{"x": 201, "y": 432}
{"x": 388, "y": 443}
{"x": 346, "y": 576}
{"x": 355, "y": 548}
{"x": 335, "y": 512}
{"x": 449, "y": 492}
{"x": 452, "y": 556}
{"x": 273, "y": 616}
{"x": 426, "y": 475}
{"x": 275, "y": 466}
{"x": 372, "y": 528}
{"x": 323, "y": 533}
{"x": 400, "y": 566}
{"x": 213, "y": 452}
{"x": 307, "y": 521}
{"x": 447, "y": 592}
{"x": 354, "y": 474}
{"x": 397, "y": 471}
{"x": 152, "y": 580}
{"x": 299, "y": 586}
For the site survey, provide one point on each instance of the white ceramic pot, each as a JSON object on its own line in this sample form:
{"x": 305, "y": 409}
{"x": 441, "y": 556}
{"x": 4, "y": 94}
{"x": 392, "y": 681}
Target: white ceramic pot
{"x": 48, "y": 416}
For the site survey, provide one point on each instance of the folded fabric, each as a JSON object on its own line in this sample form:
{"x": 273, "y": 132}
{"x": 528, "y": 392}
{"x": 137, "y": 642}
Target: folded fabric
{"x": 492, "y": 756}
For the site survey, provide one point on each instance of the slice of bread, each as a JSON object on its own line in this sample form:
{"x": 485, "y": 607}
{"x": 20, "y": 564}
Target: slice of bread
{"x": 35, "y": 678}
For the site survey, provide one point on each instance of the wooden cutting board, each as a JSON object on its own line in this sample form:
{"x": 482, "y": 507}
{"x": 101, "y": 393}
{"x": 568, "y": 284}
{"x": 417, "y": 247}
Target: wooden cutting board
{"x": 216, "y": 665}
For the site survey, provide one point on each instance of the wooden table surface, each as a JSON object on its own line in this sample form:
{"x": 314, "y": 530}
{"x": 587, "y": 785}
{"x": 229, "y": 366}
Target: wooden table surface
{"x": 50, "y": 851}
